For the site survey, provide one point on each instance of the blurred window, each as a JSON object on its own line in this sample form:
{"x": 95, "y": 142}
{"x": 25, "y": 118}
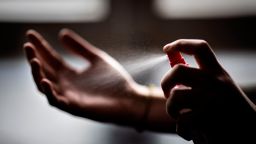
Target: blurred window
{"x": 53, "y": 10}
{"x": 204, "y": 8}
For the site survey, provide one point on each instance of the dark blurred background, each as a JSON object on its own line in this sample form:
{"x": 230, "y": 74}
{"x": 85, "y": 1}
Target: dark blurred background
{"x": 120, "y": 27}
{"x": 134, "y": 24}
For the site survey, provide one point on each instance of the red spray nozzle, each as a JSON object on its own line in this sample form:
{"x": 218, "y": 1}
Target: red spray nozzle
{"x": 175, "y": 58}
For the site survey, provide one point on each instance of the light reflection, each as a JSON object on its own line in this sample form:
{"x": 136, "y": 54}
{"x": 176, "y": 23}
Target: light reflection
{"x": 204, "y": 8}
{"x": 54, "y": 11}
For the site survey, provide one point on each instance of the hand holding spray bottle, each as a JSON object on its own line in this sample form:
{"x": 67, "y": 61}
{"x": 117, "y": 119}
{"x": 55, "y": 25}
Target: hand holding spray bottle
{"x": 195, "y": 135}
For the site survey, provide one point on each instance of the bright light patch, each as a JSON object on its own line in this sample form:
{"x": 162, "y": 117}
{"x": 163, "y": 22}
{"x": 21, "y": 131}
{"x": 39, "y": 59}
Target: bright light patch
{"x": 204, "y": 8}
{"x": 53, "y": 10}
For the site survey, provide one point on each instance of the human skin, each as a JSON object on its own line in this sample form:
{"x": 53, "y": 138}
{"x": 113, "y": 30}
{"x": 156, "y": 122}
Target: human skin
{"x": 212, "y": 108}
{"x": 103, "y": 91}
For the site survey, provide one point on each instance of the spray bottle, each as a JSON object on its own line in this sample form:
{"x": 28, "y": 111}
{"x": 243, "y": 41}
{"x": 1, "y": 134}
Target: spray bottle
{"x": 177, "y": 58}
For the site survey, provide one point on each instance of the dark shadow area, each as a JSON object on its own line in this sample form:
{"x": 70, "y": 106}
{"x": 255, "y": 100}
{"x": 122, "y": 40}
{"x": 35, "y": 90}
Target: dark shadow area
{"x": 133, "y": 25}
{"x": 131, "y": 30}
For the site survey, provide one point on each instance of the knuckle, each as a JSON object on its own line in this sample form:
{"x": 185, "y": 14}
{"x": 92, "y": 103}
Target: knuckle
{"x": 203, "y": 46}
{"x": 172, "y": 75}
{"x": 179, "y": 68}
{"x": 180, "y": 42}
{"x": 174, "y": 93}
{"x": 165, "y": 78}
{"x": 162, "y": 82}
{"x": 202, "y": 43}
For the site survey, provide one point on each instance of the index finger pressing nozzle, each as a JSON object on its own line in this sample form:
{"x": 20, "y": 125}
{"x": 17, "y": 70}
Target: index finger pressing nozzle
{"x": 175, "y": 58}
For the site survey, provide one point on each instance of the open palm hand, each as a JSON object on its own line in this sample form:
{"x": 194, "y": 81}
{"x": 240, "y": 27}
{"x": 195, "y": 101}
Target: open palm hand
{"x": 103, "y": 91}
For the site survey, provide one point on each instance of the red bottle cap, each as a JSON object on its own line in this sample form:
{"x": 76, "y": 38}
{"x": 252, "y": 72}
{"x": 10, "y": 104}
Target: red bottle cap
{"x": 176, "y": 58}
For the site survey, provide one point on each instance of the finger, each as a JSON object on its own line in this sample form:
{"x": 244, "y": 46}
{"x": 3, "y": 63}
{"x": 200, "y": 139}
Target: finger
{"x": 204, "y": 55}
{"x": 52, "y": 95}
{"x": 187, "y": 127}
{"x": 29, "y": 51}
{"x": 78, "y": 45}
{"x": 180, "y": 106}
{"x": 184, "y": 126}
{"x": 44, "y": 49}
{"x": 181, "y": 74}
{"x": 45, "y": 69}
{"x": 180, "y": 99}
{"x": 37, "y": 72}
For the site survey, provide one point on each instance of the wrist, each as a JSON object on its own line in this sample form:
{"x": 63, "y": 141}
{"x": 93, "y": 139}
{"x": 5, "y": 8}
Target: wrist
{"x": 137, "y": 105}
{"x": 142, "y": 122}
{"x": 138, "y": 96}
{"x": 148, "y": 109}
